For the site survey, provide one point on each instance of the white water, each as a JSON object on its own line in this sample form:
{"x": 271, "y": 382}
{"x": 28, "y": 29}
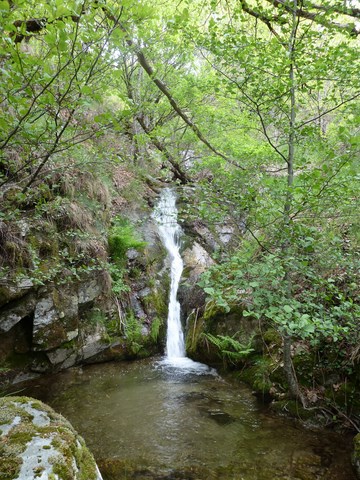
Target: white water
{"x": 166, "y": 216}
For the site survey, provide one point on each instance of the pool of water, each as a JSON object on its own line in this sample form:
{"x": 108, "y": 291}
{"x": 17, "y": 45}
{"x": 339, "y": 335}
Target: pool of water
{"x": 151, "y": 420}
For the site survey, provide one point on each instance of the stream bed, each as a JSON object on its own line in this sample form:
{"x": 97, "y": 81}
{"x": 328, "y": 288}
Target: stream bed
{"x": 150, "y": 420}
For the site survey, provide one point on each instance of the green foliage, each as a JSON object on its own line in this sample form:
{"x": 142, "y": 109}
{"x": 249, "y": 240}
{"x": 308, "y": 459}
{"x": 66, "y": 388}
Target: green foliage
{"x": 155, "y": 329}
{"x": 121, "y": 238}
{"x": 118, "y": 279}
{"x": 229, "y": 348}
{"x": 133, "y": 334}
{"x": 322, "y": 306}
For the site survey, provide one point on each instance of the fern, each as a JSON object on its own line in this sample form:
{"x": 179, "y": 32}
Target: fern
{"x": 229, "y": 347}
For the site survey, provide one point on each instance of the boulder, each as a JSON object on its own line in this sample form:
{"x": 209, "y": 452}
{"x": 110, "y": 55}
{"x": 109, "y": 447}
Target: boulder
{"x": 37, "y": 443}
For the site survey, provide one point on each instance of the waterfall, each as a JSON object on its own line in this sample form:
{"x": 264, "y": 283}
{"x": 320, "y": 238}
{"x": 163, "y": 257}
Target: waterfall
{"x": 166, "y": 216}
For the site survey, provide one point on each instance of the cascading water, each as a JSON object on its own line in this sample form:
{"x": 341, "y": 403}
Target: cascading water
{"x": 166, "y": 216}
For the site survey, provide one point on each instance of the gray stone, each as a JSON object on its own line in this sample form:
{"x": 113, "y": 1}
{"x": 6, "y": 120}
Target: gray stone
{"x": 144, "y": 292}
{"x": 197, "y": 260}
{"x": 225, "y": 233}
{"x": 45, "y": 313}
{"x": 13, "y": 315}
{"x": 93, "y": 343}
{"x": 136, "y": 307}
{"x": 89, "y": 291}
{"x": 10, "y": 291}
{"x": 47, "y": 440}
{"x": 59, "y": 355}
{"x": 55, "y": 320}
{"x": 132, "y": 253}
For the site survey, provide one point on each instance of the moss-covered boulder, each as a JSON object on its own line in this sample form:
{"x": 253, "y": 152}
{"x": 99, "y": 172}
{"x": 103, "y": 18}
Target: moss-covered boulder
{"x": 37, "y": 443}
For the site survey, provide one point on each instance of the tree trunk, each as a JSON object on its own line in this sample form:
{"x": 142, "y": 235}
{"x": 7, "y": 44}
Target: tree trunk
{"x": 294, "y": 389}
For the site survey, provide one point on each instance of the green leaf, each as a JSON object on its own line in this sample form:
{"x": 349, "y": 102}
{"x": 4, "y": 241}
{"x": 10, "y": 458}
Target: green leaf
{"x": 209, "y": 290}
{"x": 288, "y": 308}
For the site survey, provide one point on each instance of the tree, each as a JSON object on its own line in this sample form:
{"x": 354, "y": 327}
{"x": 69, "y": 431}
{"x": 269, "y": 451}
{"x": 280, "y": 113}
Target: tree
{"x": 272, "y": 74}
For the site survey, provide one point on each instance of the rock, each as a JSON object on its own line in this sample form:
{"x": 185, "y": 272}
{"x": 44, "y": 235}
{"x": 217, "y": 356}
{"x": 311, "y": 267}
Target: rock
{"x": 14, "y": 314}
{"x": 196, "y": 260}
{"x": 59, "y": 355}
{"x": 55, "y": 320}
{"x": 88, "y": 291}
{"x": 132, "y": 253}
{"x": 37, "y": 443}
{"x": 137, "y": 307}
{"x": 11, "y": 291}
{"x": 93, "y": 342}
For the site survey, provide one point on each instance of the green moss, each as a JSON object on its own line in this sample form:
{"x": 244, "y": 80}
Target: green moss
{"x": 304, "y": 364}
{"x": 95, "y": 316}
{"x": 212, "y": 311}
{"x": 258, "y": 375}
{"x": 272, "y": 337}
{"x": 195, "y": 328}
{"x": 346, "y": 396}
{"x": 85, "y": 462}
{"x": 157, "y": 301}
{"x": 10, "y": 467}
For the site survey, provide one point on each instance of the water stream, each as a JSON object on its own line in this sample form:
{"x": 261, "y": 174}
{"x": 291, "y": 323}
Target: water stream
{"x": 146, "y": 420}
{"x": 166, "y": 216}
{"x": 174, "y": 419}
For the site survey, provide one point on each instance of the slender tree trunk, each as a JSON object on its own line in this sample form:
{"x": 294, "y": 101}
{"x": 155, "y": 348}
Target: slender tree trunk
{"x": 294, "y": 389}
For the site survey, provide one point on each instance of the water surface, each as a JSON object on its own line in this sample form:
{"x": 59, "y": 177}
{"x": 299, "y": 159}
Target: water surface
{"x": 151, "y": 420}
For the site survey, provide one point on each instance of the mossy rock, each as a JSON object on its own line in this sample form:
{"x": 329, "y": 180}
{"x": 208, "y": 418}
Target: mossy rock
{"x": 35, "y": 439}
{"x": 304, "y": 364}
{"x": 259, "y": 376}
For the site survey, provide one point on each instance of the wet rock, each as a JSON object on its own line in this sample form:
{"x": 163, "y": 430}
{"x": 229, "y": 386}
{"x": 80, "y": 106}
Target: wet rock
{"x": 196, "y": 260}
{"x": 36, "y": 442}
{"x": 137, "y": 307}
{"x": 220, "y": 417}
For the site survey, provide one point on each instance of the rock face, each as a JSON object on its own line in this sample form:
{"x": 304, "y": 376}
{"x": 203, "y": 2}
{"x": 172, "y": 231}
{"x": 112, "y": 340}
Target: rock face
{"x": 37, "y": 443}
{"x": 48, "y": 328}
{"x": 196, "y": 261}
{"x": 53, "y": 327}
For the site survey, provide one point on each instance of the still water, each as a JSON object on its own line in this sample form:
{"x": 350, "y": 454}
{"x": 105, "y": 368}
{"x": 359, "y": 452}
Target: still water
{"x": 152, "y": 420}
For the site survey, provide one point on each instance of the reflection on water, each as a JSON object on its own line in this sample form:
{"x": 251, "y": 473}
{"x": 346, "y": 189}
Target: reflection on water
{"x": 150, "y": 420}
